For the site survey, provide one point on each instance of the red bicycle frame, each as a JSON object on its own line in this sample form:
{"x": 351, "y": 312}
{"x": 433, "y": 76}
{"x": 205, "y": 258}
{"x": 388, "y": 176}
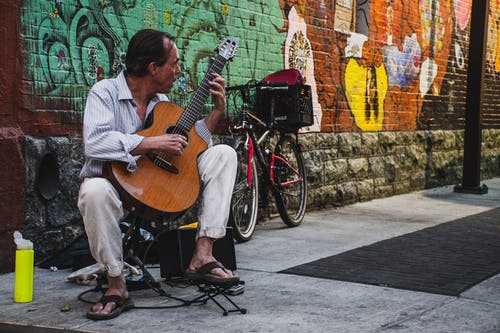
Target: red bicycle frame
{"x": 250, "y": 148}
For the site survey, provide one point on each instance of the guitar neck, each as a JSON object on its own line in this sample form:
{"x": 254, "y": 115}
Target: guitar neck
{"x": 190, "y": 115}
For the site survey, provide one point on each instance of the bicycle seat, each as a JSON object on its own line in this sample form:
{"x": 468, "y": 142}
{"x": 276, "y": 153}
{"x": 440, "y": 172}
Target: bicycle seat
{"x": 290, "y": 76}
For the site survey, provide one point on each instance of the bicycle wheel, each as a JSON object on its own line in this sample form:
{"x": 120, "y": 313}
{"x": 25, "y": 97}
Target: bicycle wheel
{"x": 245, "y": 199}
{"x": 290, "y": 177}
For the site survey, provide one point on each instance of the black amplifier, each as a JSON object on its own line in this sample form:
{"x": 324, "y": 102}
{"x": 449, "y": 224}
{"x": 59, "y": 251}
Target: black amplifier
{"x": 176, "y": 247}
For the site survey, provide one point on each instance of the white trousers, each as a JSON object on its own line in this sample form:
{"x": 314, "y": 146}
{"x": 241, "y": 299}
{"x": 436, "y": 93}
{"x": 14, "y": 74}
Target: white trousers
{"x": 102, "y": 210}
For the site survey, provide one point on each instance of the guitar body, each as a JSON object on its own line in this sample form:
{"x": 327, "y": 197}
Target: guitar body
{"x": 152, "y": 190}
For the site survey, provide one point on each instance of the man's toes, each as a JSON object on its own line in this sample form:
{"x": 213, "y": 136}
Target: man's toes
{"x": 109, "y": 307}
{"x": 225, "y": 273}
{"x": 97, "y": 307}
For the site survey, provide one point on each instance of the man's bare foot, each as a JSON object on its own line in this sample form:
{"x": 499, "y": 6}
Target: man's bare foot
{"x": 116, "y": 287}
{"x": 203, "y": 255}
{"x": 197, "y": 263}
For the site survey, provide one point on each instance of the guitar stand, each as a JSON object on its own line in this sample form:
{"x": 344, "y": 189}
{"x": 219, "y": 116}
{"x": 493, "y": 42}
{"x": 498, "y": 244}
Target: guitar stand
{"x": 129, "y": 240}
{"x": 211, "y": 290}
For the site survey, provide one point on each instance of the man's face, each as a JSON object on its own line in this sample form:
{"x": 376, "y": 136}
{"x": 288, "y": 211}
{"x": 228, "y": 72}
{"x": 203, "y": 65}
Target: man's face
{"x": 166, "y": 74}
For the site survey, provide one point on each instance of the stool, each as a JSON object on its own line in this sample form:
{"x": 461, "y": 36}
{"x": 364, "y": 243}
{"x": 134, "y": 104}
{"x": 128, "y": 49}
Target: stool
{"x": 211, "y": 290}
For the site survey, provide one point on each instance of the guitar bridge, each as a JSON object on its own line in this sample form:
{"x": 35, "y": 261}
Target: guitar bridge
{"x": 163, "y": 163}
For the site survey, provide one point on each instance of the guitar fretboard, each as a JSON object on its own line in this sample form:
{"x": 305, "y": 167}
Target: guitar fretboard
{"x": 190, "y": 115}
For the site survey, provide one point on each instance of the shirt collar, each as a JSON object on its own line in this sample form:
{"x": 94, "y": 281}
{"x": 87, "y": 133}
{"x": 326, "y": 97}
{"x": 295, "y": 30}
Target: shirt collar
{"x": 123, "y": 89}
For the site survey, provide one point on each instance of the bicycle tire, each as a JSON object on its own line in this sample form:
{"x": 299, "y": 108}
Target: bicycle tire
{"x": 245, "y": 198}
{"x": 291, "y": 199}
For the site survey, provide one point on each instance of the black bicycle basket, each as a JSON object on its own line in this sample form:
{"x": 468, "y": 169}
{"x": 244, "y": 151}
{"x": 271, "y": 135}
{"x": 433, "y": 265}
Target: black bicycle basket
{"x": 292, "y": 107}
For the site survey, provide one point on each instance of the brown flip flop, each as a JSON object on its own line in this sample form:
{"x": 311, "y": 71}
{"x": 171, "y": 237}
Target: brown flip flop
{"x": 122, "y": 305}
{"x": 203, "y": 274}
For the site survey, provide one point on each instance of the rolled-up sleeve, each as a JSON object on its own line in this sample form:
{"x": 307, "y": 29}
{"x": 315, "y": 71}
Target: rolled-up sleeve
{"x": 202, "y": 130}
{"x": 103, "y": 140}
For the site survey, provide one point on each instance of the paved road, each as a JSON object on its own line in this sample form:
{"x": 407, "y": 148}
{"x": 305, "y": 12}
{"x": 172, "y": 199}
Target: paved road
{"x": 288, "y": 303}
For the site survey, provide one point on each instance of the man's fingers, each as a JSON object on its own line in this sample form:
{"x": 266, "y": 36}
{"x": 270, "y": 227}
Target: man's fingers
{"x": 183, "y": 142}
{"x": 178, "y": 138}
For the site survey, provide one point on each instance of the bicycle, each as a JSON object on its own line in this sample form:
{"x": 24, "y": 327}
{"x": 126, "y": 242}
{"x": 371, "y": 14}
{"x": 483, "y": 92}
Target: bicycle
{"x": 267, "y": 146}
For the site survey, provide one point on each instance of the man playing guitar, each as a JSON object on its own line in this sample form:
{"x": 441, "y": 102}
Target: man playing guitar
{"x": 115, "y": 111}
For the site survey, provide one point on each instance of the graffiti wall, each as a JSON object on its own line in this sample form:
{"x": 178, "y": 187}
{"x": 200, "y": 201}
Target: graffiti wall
{"x": 372, "y": 65}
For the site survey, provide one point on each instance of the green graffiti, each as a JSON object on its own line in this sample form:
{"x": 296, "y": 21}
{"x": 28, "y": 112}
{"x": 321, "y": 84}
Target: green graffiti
{"x": 70, "y": 45}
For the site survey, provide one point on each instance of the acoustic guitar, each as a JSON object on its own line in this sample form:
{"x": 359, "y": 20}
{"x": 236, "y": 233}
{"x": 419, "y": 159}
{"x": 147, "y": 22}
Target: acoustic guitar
{"x": 165, "y": 185}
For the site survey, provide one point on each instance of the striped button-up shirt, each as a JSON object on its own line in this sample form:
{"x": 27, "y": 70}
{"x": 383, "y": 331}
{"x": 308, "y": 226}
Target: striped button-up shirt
{"x": 109, "y": 123}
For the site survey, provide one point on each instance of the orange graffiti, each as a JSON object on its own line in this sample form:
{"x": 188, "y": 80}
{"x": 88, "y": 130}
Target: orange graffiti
{"x": 391, "y": 23}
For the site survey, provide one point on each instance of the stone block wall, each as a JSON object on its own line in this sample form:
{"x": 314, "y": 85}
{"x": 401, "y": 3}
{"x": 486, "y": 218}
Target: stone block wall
{"x": 342, "y": 169}
{"x": 52, "y": 168}
{"x": 345, "y": 168}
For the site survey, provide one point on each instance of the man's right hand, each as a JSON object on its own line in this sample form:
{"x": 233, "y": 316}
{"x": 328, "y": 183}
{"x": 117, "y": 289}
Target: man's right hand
{"x": 172, "y": 144}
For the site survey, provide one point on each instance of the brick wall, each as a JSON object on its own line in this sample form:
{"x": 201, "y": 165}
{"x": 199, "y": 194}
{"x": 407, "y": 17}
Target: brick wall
{"x": 11, "y": 137}
{"x": 373, "y": 66}
{"x": 12, "y": 193}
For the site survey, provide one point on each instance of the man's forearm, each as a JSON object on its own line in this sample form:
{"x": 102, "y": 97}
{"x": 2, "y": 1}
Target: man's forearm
{"x": 213, "y": 119}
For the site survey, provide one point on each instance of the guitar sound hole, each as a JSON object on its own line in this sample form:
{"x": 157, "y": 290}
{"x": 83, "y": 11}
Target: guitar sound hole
{"x": 177, "y": 130}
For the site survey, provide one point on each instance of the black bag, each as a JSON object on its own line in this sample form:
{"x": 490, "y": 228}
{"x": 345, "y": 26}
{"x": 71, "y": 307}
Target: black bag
{"x": 76, "y": 255}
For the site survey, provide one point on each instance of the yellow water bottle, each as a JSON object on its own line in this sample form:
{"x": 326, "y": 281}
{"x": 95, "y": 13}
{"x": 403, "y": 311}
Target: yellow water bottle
{"x": 24, "y": 269}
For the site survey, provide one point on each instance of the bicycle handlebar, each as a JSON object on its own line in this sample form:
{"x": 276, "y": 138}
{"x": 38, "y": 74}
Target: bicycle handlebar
{"x": 274, "y": 87}
{"x": 241, "y": 87}
{"x": 260, "y": 85}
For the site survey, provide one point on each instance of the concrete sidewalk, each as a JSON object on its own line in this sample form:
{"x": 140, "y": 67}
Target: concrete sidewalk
{"x": 288, "y": 303}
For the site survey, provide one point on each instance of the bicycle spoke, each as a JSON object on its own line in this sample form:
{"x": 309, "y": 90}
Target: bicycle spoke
{"x": 289, "y": 175}
{"x": 245, "y": 198}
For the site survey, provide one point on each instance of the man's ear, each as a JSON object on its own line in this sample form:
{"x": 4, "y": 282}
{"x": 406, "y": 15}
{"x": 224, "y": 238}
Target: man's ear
{"x": 152, "y": 68}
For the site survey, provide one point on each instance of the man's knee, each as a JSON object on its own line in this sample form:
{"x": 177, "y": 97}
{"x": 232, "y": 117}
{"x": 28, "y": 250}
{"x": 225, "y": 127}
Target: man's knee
{"x": 97, "y": 191}
{"x": 226, "y": 154}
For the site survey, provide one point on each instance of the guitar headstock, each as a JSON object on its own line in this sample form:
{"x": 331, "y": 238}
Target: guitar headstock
{"x": 227, "y": 47}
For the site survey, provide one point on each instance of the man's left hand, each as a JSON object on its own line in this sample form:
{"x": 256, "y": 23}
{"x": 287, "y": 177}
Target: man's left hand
{"x": 218, "y": 93}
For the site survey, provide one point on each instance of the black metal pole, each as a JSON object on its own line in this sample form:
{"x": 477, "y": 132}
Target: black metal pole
{"x": 473, "y": 113}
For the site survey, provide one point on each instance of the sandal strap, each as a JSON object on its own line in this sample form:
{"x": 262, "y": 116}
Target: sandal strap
{"x": 111, "y": 298}
{"x": 209, "y": 266}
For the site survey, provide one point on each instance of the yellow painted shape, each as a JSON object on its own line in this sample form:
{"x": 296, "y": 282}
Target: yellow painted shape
{"x": 168, "y": 16}
{"x": 225, "y": 9}
{"x": 357, "y": 87}
{"x": 497, "y": 60}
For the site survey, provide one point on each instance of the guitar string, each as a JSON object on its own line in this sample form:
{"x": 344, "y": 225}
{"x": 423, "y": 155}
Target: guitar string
{"x": 188, "y": 118}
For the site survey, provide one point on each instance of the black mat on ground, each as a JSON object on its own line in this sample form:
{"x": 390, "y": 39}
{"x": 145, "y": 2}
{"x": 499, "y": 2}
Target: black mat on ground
{"x": 445, "y": 259}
